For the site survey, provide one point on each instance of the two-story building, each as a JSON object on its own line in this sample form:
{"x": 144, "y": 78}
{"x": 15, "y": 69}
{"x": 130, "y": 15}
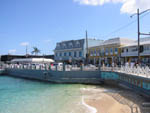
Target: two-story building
{"x": 108, "y": 52}
{"x": 73, "y": 51}
{"x": 130, "y": 51}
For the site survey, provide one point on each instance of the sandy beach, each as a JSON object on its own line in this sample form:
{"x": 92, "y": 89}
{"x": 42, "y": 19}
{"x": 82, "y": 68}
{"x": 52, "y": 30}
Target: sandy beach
{"x": 107, "y": 104}
{"x": 112, "y": 101}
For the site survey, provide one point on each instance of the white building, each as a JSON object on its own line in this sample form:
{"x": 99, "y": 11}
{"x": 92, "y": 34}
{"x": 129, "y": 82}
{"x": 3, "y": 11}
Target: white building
{"x": 73, "y": 50}
{"x": 130, "y": 51}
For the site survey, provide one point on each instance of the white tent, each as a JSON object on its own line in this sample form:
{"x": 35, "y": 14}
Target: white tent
{"x": 32, "y": 60}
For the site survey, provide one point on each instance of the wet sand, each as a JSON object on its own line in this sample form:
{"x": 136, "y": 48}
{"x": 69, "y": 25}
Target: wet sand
{"x": 112, "y": 100}
{"x": 107, "y": 104}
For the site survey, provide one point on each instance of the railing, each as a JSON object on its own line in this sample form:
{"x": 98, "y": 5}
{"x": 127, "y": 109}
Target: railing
{"x": 138, "y": 71}
{"x": 54, "y": 68}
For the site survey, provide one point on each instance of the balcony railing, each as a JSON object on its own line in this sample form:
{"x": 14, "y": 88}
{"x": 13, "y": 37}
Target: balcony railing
{"x": 129, "y": 54}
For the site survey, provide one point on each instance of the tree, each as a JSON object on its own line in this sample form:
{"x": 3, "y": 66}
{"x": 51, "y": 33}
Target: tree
{"x": 35, "y": 51}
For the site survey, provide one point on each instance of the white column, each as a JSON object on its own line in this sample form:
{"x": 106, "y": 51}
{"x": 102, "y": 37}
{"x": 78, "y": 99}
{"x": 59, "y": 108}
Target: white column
{"x": 94, "y": 61}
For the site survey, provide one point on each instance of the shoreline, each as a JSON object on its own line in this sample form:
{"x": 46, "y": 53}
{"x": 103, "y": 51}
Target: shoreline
{"x": 108, "y": 105}
{"x": 101, "y": 100}
{"x": 91, "y": 108}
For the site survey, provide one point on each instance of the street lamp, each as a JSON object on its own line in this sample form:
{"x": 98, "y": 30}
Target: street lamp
{"x": 87, "y": 50}
{"x": 138, "y": 27}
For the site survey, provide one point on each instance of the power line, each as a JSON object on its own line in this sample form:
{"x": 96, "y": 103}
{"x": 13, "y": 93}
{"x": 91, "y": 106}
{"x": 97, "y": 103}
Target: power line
{"x": 121, "y": 28}
{"x": 125, "y": 26}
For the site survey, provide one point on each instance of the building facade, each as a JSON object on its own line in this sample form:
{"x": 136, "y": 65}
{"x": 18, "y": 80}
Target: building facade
{"x": 108, "y": 52}
{"x": 73, "y": 51}
{"x": 130, "y": 51}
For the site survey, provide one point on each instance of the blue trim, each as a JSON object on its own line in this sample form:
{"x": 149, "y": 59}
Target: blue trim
{"x": 115, "y": 76}
{"x": 136, "y": 88}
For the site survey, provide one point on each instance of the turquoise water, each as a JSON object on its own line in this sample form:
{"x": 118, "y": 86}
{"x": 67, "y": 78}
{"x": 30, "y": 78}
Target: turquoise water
{"x": 25, "y": 96}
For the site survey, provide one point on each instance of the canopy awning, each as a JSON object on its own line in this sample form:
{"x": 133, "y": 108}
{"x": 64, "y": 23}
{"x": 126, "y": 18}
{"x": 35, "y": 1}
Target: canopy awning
{"x": 32, "y": 60}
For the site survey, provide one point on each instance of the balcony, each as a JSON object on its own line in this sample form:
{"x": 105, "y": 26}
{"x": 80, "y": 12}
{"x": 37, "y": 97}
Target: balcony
{"x": 135, "y": 53}
{"x": 144, "y": 53}
{"x": 128, "y": 54}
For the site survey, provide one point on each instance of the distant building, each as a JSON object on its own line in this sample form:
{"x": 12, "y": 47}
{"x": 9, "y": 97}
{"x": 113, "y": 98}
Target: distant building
{"x": 108, "y": 52}
{"x": 8, "y": 58}
{"x": 73, "y": 50}
{"x": 130, "y": 51}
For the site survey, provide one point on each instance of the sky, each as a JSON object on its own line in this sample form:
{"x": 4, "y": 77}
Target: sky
{"x": 43, "y": 23}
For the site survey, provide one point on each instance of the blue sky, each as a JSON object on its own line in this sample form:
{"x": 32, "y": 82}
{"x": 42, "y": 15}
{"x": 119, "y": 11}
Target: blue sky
{"x": 42, "y": 23}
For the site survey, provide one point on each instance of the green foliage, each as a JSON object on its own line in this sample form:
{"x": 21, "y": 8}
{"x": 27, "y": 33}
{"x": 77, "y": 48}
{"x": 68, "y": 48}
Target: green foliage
{"x": 35, "y": 51}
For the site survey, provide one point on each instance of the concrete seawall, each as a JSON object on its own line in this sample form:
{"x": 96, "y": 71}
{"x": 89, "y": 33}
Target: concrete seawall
{"x": 138, "y": 84}
{"x": 85, "y": 77}
{"x": 2, "y": 71}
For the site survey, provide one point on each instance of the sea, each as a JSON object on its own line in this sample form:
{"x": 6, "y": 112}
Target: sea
{"x": 26, "y": 96}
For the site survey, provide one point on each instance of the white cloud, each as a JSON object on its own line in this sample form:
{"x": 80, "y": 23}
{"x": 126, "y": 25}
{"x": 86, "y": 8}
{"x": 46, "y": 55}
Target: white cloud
{"x": 24, "y": 44}
{"x": 12, "y": 51}
{"x": 128, "y": 6}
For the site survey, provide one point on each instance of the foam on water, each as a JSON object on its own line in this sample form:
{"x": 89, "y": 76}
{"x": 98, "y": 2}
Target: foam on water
{"x": 91, "y": 109}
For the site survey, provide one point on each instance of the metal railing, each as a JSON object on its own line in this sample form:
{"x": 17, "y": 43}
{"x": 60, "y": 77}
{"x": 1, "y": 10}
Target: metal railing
{"x": 138, "y": 71}
{"x": 54, "y": 68}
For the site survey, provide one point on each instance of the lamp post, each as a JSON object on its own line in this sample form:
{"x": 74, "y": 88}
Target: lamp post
{"x": 138, "y": 29}
{"x": 87, "y": 50}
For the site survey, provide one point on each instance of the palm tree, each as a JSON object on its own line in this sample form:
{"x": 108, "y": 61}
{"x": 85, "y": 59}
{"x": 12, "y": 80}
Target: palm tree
{"x": 35, "y": 51}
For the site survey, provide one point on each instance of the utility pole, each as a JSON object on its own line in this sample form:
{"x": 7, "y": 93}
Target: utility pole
{"x": 138, "y": 25}
{"x": 87, "y": 50}
{"x": 138, "y": 28}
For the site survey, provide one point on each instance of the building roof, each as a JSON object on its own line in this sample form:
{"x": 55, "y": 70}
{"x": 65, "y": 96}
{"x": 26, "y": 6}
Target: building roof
{"x": 73, "y": 44}
{"x": 69, "y": 44}
{"x": 32, "y": 60}
{"x": 118, "y": 40}
{"x": 143, "y": 41}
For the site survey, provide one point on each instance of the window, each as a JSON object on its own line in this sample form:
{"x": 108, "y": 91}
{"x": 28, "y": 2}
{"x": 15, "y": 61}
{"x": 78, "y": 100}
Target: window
{"x": 70, "y": 45}
{"x": 99, "y": 52}
{"x": 77, "y": 44}
{"x": 146, "y": 48}
{"x": 122, "y": 50}
{"x": 56, "y": 54}
{"x": 69, "y": 53}
{"x": 95, "y": 53}
{"x": 80, "y": 54}
{"x": 127, "y": 50}
{"x": 58, "y": 45}
{"x": 64, "y": 45}
{"x": 75, "y": 54}
{"x": 65, "y": 54}
{"x": 111, "y": 50}
{"x": 103, "y": 52}
{"x": 60, "y": 54}
{"x": 133, "y": 49}
{"x": 116, "y": 49}
{"x": 91, "y": 53}
{"x": 106, "y": 50}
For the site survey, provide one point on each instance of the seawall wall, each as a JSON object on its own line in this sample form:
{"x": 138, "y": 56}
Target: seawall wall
{"x": 87, "y": 77}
